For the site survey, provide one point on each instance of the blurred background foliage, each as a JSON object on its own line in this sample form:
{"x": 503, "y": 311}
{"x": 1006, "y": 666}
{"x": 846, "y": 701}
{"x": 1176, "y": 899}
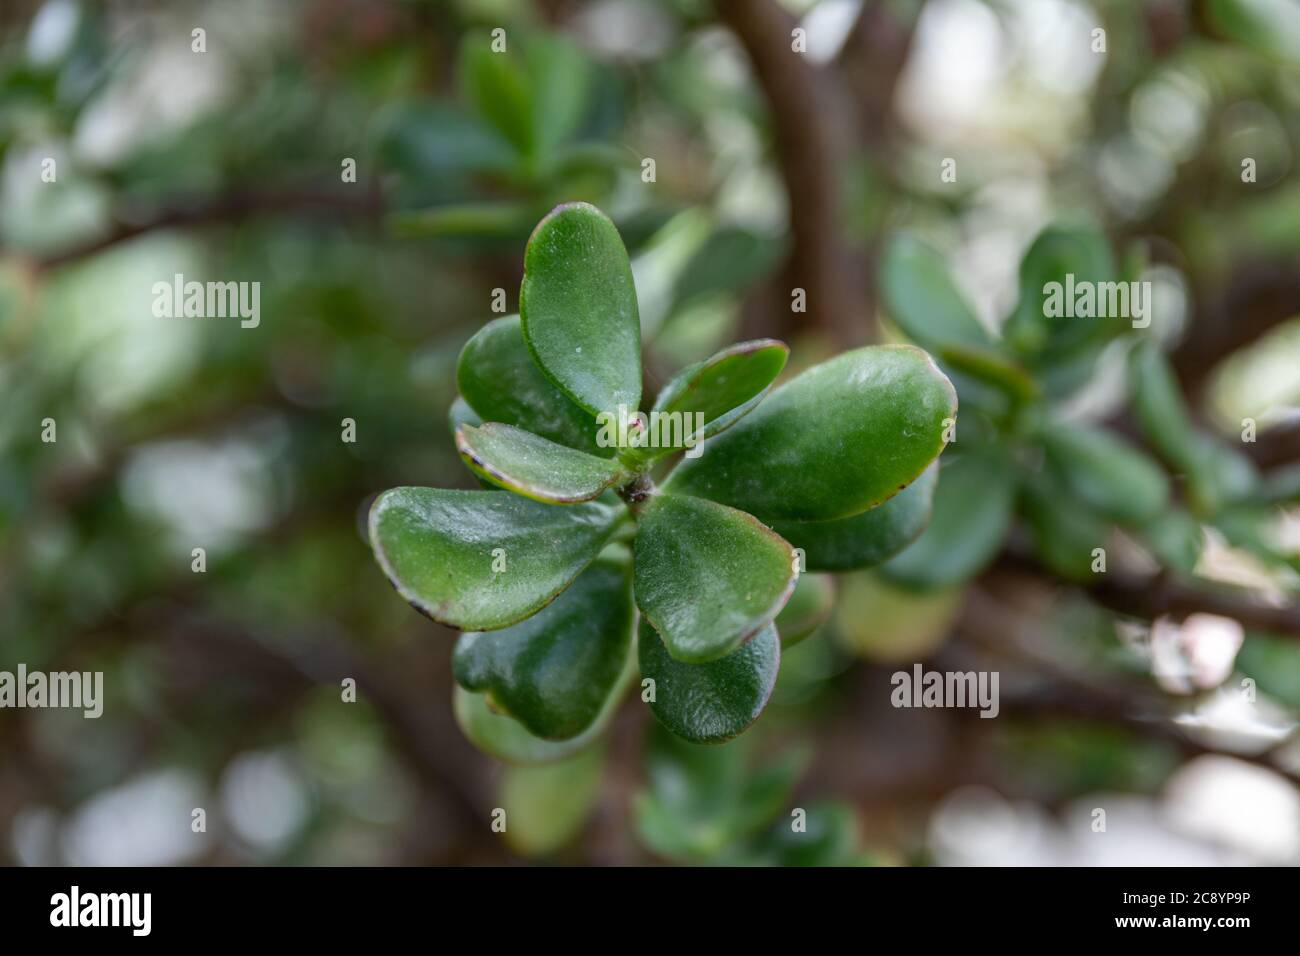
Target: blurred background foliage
{"x": 1163, "y": 691}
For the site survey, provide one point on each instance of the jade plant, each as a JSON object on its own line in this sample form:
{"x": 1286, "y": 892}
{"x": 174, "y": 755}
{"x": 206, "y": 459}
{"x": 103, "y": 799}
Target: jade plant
{"x": 1074, "y": 487}
{"x": 611, "y": 548}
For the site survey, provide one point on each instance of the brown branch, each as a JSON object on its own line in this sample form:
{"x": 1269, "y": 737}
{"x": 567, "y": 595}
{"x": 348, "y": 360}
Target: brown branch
{"x": 871, "y": 62}
{"x": 1277, "y": 445}
{"x": 365, "y": 203}
{"x": 1257, "y": 298}
{"x": 1058, "y": 701}
{"x": 213, "y": 649}
{"x": 1072, "y": 689}
{"x": 808, "y": 116}
{"x": 1149, "y": 598}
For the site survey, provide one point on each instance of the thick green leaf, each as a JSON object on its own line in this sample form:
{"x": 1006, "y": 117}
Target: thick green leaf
{"x": 499, "y": 379}
{"x": 471, "y": 220}
{"x": 1216, "y": 474}
{"x": 728, "y": 260}
{"x": 534, "y": 467}
{"x": 866, "y": 539}
{"x": 704, "y": 806}
{"x": 990, "y": 368}
{"x": 460, "y": 413}
{"x": 922, "y": 298}
{"x": 1160, "y": 410}
{"x": 546, "y": 806}
{"x": 881, "y": 621}
{"x": 496, "y": 85}
{"x": 829, "y": 837}
{"x": 972, "y": 512}
{"x": 1176, "y": 539}
{"x": 554, "y": 671}
{"x": 1064, "y": 529}
{"x": 714, "y": 394}
{"x": 1114, "y": 478}
{"x": 808, "y": 608}
{"x": 506, "y": 739}
{"x": 1222, "y": 477}
{"x": 1254, "y": 528}
{"x": 437, "y": 148}
{"x": 707, "y": 576}
{"x": 536, "y": 101}
{"x": 439, "y": 549}
{"x": 1056, "y": 254}
{"x": 713, "y": 702}
{"x": 561, "y": 80}
{"x": 842, "y": 437}
{"x": 579, "y": 309}
{"x": 704, "y": 801}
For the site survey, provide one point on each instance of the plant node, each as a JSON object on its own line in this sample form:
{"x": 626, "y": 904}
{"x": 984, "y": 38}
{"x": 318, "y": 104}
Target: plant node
{"x": 636, "y": 490}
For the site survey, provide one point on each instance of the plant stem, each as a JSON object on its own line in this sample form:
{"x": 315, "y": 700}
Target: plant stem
{"x": 635, "y": 491}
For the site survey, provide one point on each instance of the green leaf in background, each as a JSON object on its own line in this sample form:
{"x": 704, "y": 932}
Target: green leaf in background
{"x": 579, "y": 309}
{"x": 829, "y": 838}
{"x": 1274, "y": 663}
{"x": 1282, "y": 485}
{"x": 1271, "y": 27}
{"x": 546, "y": 806}
{"x": 713, "y": 702}
{"x": 1161, "y": 413}
{"x": 1064, "y": 529}
{"x": 481, "y": 560}
{"x": 838, "y": 439}
{"x": 881, "y": 621}
{"x": 1114, "y": 478}
{"x": 707, "y": 576}
{"x": 437, "y": 148}
{"x": 555, "y": 671}
{"x": 506, "y": 739}
{"x": 703, "y": 802}
{"x": 1254, "y": 528}
{"x": 478, "y": 220}
{"x": 990, "y": 368}
{"x": 1175, "y": 538}
{"x": 722, "y": 389}
{"x": 500, "y": 381}
{"x": 1057, "y": 253}
{"x": 534, "y": 467}
{"x": 729, "y": 260}
{"x": 1216, "y": 474}
{"x": 560, "y": 79}
{"x": 808, "y": 608}
{"x": 868, "y": 538}
{"x": 972, "y": 514}
{"x": 921, "y": 297}
{"x": 536, "y": 101}
{"x": 1223, "y": 476}
{"x": 496, "y": 85}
